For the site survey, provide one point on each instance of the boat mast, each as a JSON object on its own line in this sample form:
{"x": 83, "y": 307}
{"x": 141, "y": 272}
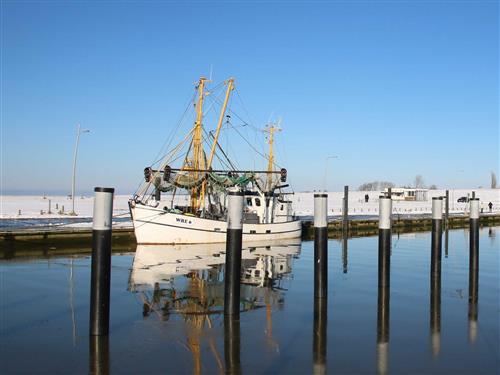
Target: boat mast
{"x": 198, "y": 159}
{"x": 230, "y": 87}
{"x": 271, "y": 129}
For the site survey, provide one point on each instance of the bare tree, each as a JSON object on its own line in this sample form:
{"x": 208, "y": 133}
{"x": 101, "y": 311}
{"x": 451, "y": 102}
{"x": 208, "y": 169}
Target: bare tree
{"x": 375, "y": 185}
{"x": 386, "y": 184}
{"x": 368, "y": 186}
{"x": 493, "y": 180}
{"x": 419, "y": 181}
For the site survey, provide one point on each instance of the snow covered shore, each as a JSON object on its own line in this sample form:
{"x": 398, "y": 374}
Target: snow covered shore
{"x": 303, "y": 203}
{"x": 37, "y": 207}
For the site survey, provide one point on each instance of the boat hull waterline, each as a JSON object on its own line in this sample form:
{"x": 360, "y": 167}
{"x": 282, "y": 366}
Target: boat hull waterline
{"x": 155, "y": 226}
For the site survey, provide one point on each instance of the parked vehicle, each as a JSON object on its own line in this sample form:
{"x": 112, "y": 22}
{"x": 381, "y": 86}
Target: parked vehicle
{"x": 462, "y": 200}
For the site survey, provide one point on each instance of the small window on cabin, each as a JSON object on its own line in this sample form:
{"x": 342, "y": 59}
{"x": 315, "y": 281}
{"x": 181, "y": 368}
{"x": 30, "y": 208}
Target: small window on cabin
{"x": 282, "y": 207}
{"x": 257, "y": 202}
{"x": 268, "y": 231}
{"x": 252, "y": 232}
{"x": 249, "y": 201}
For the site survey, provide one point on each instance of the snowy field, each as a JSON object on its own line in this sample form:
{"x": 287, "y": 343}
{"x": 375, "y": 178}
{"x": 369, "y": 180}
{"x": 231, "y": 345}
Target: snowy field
{"x": 303, "y": 203}
{"x": 33, "y": 210}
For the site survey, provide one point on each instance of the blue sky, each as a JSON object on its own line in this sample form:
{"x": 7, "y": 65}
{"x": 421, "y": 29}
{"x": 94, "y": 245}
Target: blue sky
{"x": 395, "y": 89}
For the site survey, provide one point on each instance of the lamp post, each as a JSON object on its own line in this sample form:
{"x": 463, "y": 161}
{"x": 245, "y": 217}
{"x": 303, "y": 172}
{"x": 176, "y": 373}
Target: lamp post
{"x": 326, "y": 169}
{"x": 78, "y": 132}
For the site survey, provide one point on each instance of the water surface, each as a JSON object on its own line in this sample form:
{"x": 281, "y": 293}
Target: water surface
{"x": 166, "y": 304}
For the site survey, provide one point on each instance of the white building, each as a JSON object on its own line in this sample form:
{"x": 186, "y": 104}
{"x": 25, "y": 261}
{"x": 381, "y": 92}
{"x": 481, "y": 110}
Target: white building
{"x": 408, "y": 194}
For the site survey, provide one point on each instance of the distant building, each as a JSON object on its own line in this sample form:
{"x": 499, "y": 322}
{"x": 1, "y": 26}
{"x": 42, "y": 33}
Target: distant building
{"x": 408, "y": 194}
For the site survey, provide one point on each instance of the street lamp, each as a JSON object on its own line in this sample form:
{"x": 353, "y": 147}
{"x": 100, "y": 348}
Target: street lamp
{"x": 78, "y": 132}
{"x": 326, "y": 169}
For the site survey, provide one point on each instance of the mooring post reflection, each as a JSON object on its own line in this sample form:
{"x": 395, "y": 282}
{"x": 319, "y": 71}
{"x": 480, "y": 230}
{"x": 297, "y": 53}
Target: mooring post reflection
{"x": 473, "y": 268}
{"x": 319, "y": 335}
{"x": 98, "y": 355}
{"x": 435, "y": 302}
{"x": 446, "y": 239}
{"x": 383, "y": 314}
{"x": 435, "y": 312}
{"x": 344, "y": 253}
{"x": 384, "y": 269}
{"x": 232, "y": 344}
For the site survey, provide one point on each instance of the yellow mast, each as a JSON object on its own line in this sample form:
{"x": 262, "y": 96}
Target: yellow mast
{"x": 271, "y": 129}
{"x": 230, "y": 86}
{"x": 198, "y": 159}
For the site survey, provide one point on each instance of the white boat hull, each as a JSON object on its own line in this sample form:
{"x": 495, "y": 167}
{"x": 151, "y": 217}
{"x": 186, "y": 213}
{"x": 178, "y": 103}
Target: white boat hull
{"x": 156, "y": 226}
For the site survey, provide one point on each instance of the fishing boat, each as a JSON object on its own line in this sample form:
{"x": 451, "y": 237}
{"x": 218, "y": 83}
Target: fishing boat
{"x": 186, "y": 203}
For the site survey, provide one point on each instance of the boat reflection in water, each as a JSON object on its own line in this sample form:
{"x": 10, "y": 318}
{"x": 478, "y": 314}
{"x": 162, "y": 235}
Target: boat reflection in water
{"x": 187, "y": 282}
{"x": 158, "y": 269}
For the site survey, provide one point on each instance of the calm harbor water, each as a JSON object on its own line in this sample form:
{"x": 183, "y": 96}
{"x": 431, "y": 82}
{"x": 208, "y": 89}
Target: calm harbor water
{"x": 166, "y": 303}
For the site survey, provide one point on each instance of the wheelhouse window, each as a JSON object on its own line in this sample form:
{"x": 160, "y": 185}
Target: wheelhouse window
{"x": 257, "y": 202}
{"x": 249, "y": 201}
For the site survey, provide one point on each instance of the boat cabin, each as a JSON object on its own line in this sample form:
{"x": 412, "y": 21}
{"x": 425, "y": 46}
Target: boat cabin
{"x": 266, "y": 208}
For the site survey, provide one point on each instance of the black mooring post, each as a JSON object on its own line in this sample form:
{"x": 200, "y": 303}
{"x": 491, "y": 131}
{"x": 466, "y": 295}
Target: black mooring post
{"x": 473, "y": 267}
{"x": 101, "y": 261}
{"x": 320, "y": 246}
{"x": 447, "y": 209}
{"x": 384, "y": 274}
{"x": 345, "y": 211}
{"x": 232, "y": 344}
{"x": 437, "y": 228}
{"x": 435, "y": 275}
{"x": 99, "y": 355}
{"x": 319, "y": 335}
{"x": 384, "y": 241}
{"x": 234, "y": 238}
